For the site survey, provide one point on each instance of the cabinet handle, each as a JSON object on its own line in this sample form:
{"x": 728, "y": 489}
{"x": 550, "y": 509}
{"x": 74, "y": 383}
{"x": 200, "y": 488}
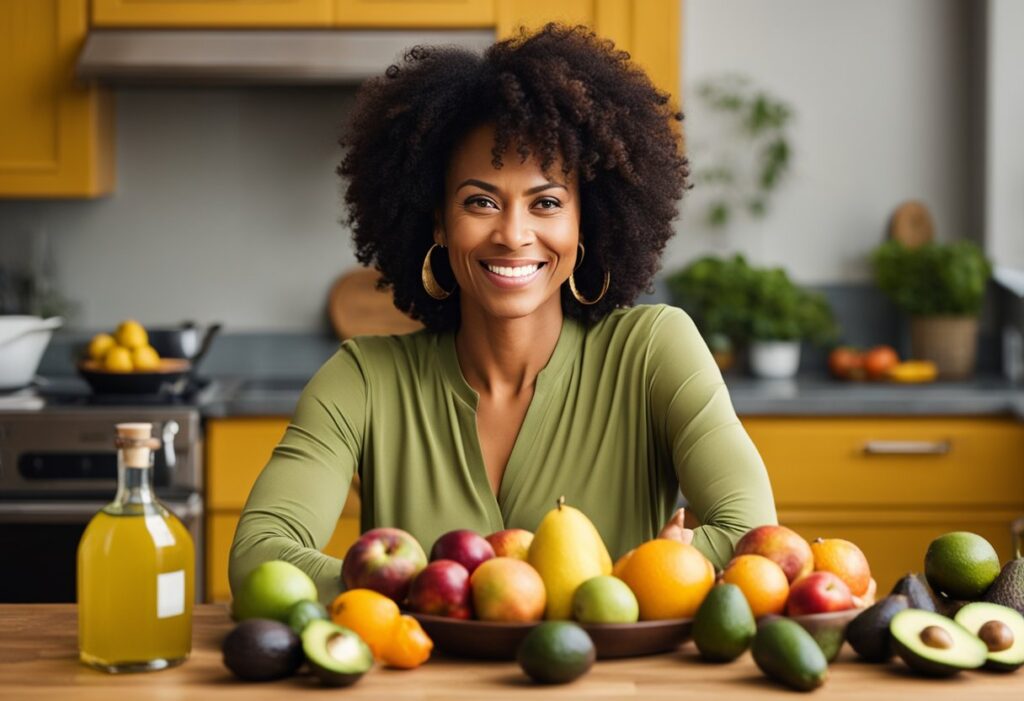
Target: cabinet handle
{"x": 907, "y": 447}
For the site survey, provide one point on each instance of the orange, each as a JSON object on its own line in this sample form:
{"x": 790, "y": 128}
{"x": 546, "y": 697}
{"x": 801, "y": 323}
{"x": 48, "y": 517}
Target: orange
{"x": 762, "y": 582}
{"x": 371, "y": 615}
{"x": 845, "y": 560}
{"x": 670, "y": 579}
{"x": 620, "y": 564}
{"x": 409, "y": 645}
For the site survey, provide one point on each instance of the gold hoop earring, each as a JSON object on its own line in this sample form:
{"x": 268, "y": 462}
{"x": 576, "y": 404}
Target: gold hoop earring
{"x": 430, "y": 283}
{"x": 572, "y": 282}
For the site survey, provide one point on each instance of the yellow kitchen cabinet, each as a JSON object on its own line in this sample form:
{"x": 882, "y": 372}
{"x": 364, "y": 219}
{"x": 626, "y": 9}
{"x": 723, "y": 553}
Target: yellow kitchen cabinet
{"x": 236, "y": 451}
{"x": 892, "y": 485}
{"x": 212, "y": 13}
{"x": 390, "y": 14}
{"x": 56, "y": 136}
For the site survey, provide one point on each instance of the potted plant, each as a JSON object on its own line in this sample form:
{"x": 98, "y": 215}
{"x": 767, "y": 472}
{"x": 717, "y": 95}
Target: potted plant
{"x": 941, "y": 287}
{"x": 759, "y": 307}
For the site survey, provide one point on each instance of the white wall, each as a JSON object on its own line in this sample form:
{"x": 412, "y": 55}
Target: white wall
{"x": 879, "y": 90}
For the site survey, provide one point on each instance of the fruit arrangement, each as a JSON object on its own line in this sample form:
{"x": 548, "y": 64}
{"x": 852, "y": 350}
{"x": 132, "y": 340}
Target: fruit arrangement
{"x": 879, "y": 363}
{"x": 126, "y": 350}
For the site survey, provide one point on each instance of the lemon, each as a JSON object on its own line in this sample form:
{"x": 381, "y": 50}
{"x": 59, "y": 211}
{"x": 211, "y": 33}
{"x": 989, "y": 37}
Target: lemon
{"x": 118, "y": 359}
{"x": 100, "y": 344}
{"x": 145, "y": 358}
{"x": 131, "y": 334}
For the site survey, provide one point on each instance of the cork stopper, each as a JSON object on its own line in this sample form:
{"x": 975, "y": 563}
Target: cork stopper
{"x": 136, "y": 443}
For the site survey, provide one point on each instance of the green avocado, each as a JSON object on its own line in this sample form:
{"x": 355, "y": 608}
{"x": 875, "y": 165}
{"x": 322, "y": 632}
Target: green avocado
{"x": 786, "y": 652}
{"x": 556, "y": 652}
{"x": 934, "y": 645}
{"x": 868, "y": 633}
{"x": 304, "y": 612}
{"x": 259, "y": 650}
{"x": 336, "y": 655}
{"x": 1001, "y": 629}
{"x": 916, "y": 591}
{"x": 724, "y": 624}
{"x": 1008, "y": 589}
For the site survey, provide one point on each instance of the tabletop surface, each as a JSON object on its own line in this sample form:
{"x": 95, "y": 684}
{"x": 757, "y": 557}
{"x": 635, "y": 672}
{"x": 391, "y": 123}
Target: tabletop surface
{"x": 39, "y": 660}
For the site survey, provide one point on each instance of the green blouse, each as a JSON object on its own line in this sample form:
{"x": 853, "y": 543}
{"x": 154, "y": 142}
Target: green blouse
{"x": 625, "y": 414}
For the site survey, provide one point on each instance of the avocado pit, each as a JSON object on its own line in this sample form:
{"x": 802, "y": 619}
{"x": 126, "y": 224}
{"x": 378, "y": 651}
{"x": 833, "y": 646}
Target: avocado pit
{"x": 996, "y": 635}
{"x": 936, "y": 637}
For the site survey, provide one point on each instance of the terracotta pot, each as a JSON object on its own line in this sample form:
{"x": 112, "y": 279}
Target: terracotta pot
{"x": 951, "y": 342}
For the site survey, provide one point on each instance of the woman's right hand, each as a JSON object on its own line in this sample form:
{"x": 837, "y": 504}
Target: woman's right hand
{"x": 676, "y": 528}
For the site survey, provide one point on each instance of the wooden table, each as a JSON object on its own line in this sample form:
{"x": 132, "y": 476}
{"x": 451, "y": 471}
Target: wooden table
{"x": 39, "y": 660}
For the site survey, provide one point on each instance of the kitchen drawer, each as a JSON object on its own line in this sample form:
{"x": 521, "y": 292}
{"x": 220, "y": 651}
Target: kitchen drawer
{"x": 941, "y": 462}
{"x": 414, "y": 13}
{"x": 212, "y": 13}
{"x": 220, "y": 531}
{"x": 895, "y": 541}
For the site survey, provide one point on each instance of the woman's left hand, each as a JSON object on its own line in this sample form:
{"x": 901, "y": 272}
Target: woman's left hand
{"x": 676, "y": 530}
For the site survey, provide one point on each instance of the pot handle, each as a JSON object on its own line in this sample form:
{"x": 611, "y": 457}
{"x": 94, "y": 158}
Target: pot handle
{"x": 211, "y": 332}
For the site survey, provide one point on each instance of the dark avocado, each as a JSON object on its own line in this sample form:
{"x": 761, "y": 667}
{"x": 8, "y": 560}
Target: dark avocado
{"x": 1008, "y": 589}
{"x": 917, "y": 592}
{"x": 303, "y": 612}
{"x": 934, "y": 645}
{"x": 259, "y": 650}
{"x": 724, "y": 624}
{"x": 336, "y": 655}
{"x": 1001, "y": 628}
{"x": 556, "y": 652}
{"x": 786, "y": 652}
{"x": 868, "y": 633}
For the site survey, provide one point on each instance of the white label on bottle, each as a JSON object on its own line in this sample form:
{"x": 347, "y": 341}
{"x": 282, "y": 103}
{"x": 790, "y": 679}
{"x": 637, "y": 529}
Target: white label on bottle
{"x": 157, "y": 527}
{"x": 170, "y": 594}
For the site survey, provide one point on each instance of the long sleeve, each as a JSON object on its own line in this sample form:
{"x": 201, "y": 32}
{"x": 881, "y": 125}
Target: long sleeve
{"x": 295, "y": 503}
{"x": 720, "y": 472}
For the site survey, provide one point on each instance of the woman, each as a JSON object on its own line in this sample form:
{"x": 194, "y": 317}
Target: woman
{"x": 517, "y": 203}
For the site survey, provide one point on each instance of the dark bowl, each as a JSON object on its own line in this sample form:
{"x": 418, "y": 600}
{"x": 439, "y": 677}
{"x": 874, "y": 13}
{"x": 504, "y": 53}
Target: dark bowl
{"x": 171, "y": 372}
{"x": 499, "y": 641}
{"x": 828, "y": 629}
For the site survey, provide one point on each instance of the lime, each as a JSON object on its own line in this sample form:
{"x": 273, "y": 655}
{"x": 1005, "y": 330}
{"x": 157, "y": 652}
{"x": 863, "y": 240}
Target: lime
{"x": 270, "y": 591}
{"x": 961, "y": 565}
{"x": 605, "y": 599}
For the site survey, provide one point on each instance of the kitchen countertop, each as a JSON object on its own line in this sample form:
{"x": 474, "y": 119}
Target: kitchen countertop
{"x": 39, "y": 660}
{"x": 813, "y": 395}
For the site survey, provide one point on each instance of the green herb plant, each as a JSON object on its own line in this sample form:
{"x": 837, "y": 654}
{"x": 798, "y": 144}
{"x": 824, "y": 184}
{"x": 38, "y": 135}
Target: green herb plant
{"x": 933, "y": 279}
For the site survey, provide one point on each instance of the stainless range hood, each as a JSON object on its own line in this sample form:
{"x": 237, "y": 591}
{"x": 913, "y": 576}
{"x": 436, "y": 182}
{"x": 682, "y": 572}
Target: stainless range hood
{"x": 254, "y": 57}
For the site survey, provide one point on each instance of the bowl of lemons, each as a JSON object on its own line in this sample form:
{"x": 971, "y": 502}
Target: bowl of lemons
{"x": 124, "y": 362}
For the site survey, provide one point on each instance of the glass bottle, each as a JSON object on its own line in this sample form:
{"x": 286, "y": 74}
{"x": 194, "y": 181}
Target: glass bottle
{"x": 136, "y": 571}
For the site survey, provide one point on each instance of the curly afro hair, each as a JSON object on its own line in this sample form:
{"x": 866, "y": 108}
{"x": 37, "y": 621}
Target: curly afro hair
{"x": 562, "y": 92}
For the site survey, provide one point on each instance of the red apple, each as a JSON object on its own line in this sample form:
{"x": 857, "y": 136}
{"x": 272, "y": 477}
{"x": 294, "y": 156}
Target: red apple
{"x": 511, "y": 542}
{"x": 442, "y": 589}
{"x": 818, "y": 592}
{"x": 384, "y": 560}
{"x": 467, "y": 548}
{"x": 785, "y": 547}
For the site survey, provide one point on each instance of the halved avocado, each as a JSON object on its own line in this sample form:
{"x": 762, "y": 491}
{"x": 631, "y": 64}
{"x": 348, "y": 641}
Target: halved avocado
{"x": 336, "y": 655}
{"x": 935, "y": 645}
{"x": 1000, "y": 628}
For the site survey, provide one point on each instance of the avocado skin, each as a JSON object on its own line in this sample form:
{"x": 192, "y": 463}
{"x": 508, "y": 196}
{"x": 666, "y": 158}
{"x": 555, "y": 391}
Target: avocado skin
{"x": 1008, "y": 589}
{"x": 556, "y": 652}
{"x": 259, "y": 650}
{"x": 784, "y": 651}
{"x": 921, "y": 663}
{"x": 868, "y": 633}
{"x": 314, "y": 641}
{"x": 916, "y": 591}
{"x": 991, "y": 663}
{"x": 724, "y": 624}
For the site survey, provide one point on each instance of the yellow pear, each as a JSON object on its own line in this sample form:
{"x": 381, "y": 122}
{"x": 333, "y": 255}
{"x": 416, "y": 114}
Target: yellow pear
{"x": 566, "y": 550}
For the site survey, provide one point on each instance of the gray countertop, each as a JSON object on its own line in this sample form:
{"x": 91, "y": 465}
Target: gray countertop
{"x": 803, "y": 396}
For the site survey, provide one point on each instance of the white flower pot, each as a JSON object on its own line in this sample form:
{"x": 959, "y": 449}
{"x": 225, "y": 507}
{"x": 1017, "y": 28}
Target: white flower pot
{"x": 774, "y": 359}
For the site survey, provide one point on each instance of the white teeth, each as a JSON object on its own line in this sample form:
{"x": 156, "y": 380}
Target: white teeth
{"x": 518, "y": 271}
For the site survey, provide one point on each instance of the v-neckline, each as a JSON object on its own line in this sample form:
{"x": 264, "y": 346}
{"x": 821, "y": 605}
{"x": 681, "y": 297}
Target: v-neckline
{"x": 560, "y": 360}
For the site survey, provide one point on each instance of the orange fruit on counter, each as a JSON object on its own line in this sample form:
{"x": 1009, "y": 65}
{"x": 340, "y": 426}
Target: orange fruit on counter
{"x": 620, "y": 564}
{"x": 670, "y": 579}
{"x": 762, "y": 582}
{"x": 845, "y": 560}
{"x": 370, "y": 614}
{"x": 409, "y": 645}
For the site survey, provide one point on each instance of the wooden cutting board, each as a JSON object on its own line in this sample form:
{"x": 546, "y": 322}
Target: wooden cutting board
{"x": 358, "y": 308}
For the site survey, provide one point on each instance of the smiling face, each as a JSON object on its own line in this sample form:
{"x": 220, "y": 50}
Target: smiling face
{"x": 511, "y": 232}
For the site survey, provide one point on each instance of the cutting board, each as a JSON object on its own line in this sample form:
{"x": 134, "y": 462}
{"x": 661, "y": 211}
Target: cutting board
{"x": 358, "y": 308}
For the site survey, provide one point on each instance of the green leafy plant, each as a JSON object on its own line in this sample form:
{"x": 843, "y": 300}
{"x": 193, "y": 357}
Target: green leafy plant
{"x": 933, "y": 279}
{"x": 761, "y": 121}
{"x": 732, "y": 298}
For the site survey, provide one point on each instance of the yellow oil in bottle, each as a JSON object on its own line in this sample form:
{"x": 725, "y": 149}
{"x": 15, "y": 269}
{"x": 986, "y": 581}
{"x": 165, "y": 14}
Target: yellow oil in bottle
{"x": 136, "y": 576}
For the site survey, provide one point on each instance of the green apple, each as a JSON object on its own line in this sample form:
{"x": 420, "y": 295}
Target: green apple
{"x": 270, "y": 591}
{"x": 605, "y": 599}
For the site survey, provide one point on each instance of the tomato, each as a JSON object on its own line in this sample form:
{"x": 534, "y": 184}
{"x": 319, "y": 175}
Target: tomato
{"x": 846, "y": 363}
{"x": 879, "y": 361}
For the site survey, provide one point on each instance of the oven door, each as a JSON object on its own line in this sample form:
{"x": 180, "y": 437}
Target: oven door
{"x": 39, "y": 543}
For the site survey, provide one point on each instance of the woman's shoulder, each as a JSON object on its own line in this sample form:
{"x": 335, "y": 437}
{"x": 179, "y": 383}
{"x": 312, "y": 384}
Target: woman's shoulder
{"x": 384, "y": 356}
{"x": 656, "y": 323}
